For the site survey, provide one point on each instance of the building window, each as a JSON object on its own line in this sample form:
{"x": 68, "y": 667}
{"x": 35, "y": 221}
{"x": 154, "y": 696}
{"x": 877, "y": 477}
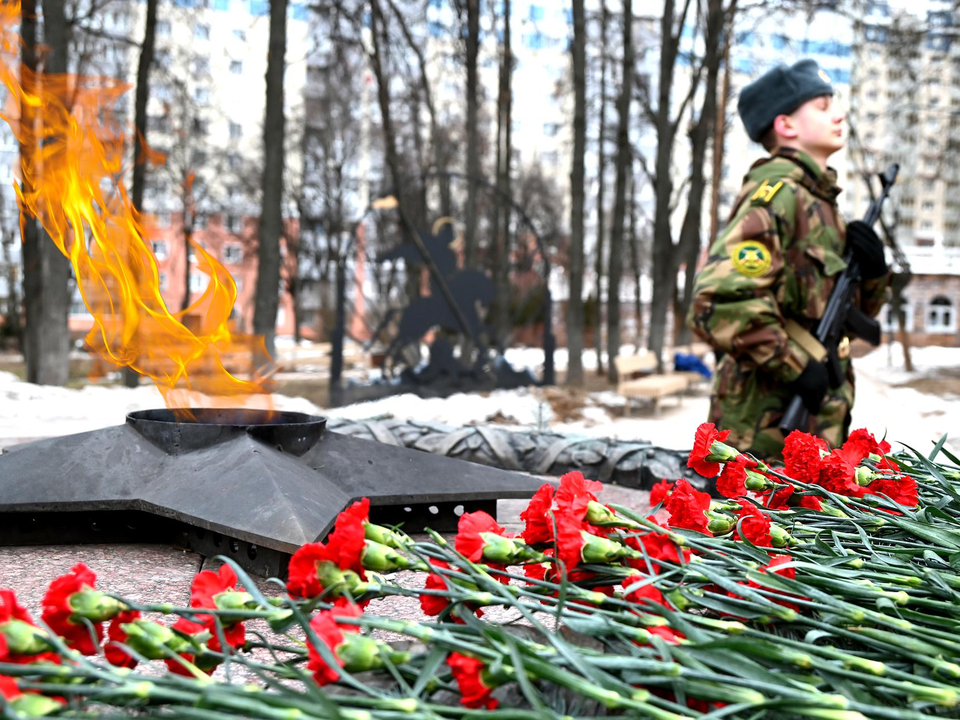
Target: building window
{"x": 232, "y": 254}
{"x": 201, "y": 32}
{"x": 163, "y": 219}
{"x": 164, "y": 284}
{"x": 198, "y": 282}
{"x": 941, "y": 317}
{"x": 551, "y": 129}
{"x": 202, "y": 95}
{"x": 236, "y": 131}
{"x": 888, "y": 321}
{"x": 236, "y": 66}
{"x": 240, "y": 35}
{"x": 234, "y": 223}
{"x": 159, "y": 248}
{"x": 238, "y": 281}
{"x": 928, "y": 205}
{"x": 234, "y": 161}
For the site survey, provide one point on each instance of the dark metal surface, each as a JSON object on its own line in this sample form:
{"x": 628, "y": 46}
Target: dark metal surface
{"x": 232, "y": 481}
{"x": 289, "y": 432}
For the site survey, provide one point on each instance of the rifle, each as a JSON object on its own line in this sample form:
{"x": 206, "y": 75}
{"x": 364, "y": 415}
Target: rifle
{"x": 841, "y": 316}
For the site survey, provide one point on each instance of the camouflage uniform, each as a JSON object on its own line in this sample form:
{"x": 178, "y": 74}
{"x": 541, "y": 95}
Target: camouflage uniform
{"x": 774, "y": 262}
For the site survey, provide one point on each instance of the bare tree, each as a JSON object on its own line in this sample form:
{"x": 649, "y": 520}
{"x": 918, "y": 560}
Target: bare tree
{"x": 718, "y": 17}
{"x": 472, "y": 131}
{"x": 624, "y": 163}
{"x": 503, "y": 214}
{"x": 575, "y": 268}
{"x": 271, "y": 215}
{"x": 601, "y": 185}
{"x": 130, "y": 377}
{"x": 46, "y": 270}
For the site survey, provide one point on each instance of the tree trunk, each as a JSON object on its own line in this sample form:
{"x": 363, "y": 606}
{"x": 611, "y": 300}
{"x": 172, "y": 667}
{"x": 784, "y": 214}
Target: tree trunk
{"x": 131, "y": 378}
{"x": 664, "y": 279}
{"x": 575, "y": 304}
{"x": 271, "y": 219}
{"x": 601, "y": 186}
{"x": 46, "y": 270}
{"x": 383, "y": 98}
{"x": 473, "y": 137}
{"x": 690, "y": 236}
{"x": 624, "y": 157}
{"x": 501, "y": 230}
{"x": 719, "y": 139}
{"x": 635, "y": 260}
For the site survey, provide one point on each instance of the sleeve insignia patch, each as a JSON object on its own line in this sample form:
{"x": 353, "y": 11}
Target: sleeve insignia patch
{"x": 765, "y": 192}
{"x": 751, "y": 258}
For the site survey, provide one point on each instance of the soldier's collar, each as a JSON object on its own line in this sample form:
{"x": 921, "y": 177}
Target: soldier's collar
{"x": 820, "y": 182}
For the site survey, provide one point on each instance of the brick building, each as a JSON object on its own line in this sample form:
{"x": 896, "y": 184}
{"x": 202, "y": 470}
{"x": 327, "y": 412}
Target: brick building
{"x": 231, "y": 240}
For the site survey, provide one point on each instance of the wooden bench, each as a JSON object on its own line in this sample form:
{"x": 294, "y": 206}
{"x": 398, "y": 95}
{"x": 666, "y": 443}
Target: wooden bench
{"x": 650, "y": 386}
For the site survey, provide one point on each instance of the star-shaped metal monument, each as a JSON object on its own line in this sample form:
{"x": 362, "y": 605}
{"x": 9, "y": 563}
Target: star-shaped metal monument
{"x": 229, "y": 483}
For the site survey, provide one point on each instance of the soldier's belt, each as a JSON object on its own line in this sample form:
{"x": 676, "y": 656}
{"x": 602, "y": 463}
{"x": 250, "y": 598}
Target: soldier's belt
{"x": 805, "y": 339}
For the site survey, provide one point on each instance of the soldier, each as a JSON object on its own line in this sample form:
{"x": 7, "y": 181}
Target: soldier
{"x": 769, "y": 274}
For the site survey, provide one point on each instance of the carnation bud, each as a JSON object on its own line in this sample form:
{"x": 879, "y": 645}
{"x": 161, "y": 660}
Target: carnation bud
{"x": 33, "y": 705}
{"x": 779, "y": 537}
{"x": 597, "y": 549}
{"x": 382, "y": 535}
{"x": 500, "y": 549}
{"x": 380, "y": 558}
{"x": 865, "y": 476}
{"x": 234, "y": 600}
{"x": 359, "y": 653}
{"x": 721, "y": 452}
{"x": 150, "y": 639}
{"x": 94, "y": 605}
{"x": 719, "y": 524}
{"x": 22, "y": 638}
{"x": 600, "y": 515}
{"x": 757, "y": 482}
{"x": 678, "y": 600}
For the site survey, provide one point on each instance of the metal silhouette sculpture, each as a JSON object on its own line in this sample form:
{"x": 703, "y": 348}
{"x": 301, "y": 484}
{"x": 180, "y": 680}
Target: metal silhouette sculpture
{"x": 453, "y": 308}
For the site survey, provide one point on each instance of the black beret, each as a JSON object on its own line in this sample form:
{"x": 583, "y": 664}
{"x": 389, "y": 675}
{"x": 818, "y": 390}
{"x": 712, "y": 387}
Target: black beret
{"x": 780, "y": 91}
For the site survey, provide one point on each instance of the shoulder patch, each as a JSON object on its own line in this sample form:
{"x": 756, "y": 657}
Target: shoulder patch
{"x": 765, "y": 192}
{"x": 751, "y": 258}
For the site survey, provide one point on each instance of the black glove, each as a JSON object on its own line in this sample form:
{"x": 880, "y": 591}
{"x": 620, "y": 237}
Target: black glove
{"x": 811, "y": 386}
{"x": 867, "y": 250}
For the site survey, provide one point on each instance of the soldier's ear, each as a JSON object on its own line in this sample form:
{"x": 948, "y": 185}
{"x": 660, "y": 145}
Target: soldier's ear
{"x": 785, "y": 126}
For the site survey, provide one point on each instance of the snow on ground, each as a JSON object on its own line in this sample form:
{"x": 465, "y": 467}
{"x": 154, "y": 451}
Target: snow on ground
{"x": 901, "y": 413}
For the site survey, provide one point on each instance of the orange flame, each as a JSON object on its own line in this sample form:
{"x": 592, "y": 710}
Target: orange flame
{"x": 72, "y": 169}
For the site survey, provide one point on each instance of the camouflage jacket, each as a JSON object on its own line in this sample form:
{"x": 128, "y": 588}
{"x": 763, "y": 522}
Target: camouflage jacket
{"x": 776, "y": 260}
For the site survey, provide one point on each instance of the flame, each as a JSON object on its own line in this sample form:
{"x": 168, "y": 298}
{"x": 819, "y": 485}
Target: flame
{"x": 72, "y": 174}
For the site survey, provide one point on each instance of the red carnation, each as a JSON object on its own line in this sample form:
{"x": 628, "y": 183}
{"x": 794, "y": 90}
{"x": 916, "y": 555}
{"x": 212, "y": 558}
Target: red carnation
{"x": 688, "y": 507}
{"x": 57, "y": 610}
{"x": 704, "y": 438}
{"x": 331, "y": 634}
{"x": 569, "y": 540}
{"x": 775, "y": 566}
{"x": 541, "y": 570}
{"x": 660, "y": 492}
{"x": 902, "y": 490}
{"x": 783, "y": 499}
{"x": 838, "y": 472}
{"x": 10, "y": 609}
{"x": 468, "y": 672}
{"x": 189, "y": 627}
{"x": 731, "y": 481}
{"x": 8, "y": 688}
{"x": 754, "y": 525}
{"x": 302, "y": 581}
{"x": 665, "y": 633}
{"x": 116, "y": 655}
{"x": 575, "y": 492}
{"x": 207, "y": 584}
{"x": 348, "y": 538}
{"x": 801, "y": 455}
{"x": 657, "y": 546}
{"x": 435, "y": 604}
{"x": 641, "y": 594}
{"x": 538, "y": 522}
{"x": 470, "y": 529}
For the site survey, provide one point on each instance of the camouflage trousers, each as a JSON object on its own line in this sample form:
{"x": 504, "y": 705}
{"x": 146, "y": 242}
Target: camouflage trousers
{"x": 750, "y": 403}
